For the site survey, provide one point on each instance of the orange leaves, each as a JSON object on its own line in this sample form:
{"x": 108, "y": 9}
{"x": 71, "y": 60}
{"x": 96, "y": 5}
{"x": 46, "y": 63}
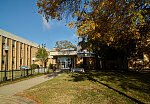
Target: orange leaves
{"x": 57, "y": 5}
{"x": 71, "y": 25}
{"x": 102, "y": 20}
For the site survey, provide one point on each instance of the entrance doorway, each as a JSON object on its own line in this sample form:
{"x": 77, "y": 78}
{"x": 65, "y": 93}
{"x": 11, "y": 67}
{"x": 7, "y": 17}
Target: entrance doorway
{"x": 64, "y": 62}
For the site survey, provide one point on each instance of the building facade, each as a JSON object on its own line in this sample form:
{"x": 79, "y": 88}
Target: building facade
{"x": 21, "y": 52}
{"x": 72, "y": 58}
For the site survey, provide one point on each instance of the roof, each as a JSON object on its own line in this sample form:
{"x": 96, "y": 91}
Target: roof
{"x": 17, "y": 38}
{"x": 84, "y": 51}
{"x": 68, "y": 49}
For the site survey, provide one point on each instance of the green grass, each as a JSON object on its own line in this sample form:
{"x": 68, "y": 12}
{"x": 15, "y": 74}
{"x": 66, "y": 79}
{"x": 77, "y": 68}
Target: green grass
{"x": 17, "y": 76}
{"x": 93, "y": 88}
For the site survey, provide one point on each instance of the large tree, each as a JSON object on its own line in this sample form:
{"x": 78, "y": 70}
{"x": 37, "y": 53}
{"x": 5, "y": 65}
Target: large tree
{"x": 64, "y": 44}
{"x": 103, "y": 23}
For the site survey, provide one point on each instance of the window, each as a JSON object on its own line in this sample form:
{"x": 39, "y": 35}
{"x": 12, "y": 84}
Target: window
{"x": 20, "y": 62}
{"x": 13, "y": 43}
{"x": 21, "y": 46}
{"x": 3, "y": 58}
{"x": 13, "y": 60}
{"x": 3, "y": 40}
{"x": 27, "y": 47}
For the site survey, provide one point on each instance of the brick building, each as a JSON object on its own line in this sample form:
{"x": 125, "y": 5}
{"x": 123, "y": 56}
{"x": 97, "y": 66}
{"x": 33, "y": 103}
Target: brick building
{"x": 21, "y": 52}
{"x": 72, "y": 58}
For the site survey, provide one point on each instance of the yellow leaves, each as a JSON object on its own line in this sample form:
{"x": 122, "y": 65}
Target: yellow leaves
{"x": 56, "y": 14}
{"x": 103, "y": 3}
{"x": 85, "y": 5}
{"x": 57, "y": 5}
{"x": 71, "y": 25}
{"x": 138, "y": 35}
{"x": 96, "y": 11}
{"x": 111, "y": 39}
{"x": 91, "y": 1}
{"x": 74, "y": 14}
{"x": 98, "y": 35}
{"x": 92, "y": 25}
{"x": 108, "y": 44}
{"x": 93, "y": 38}
{"x": 132, "y": 5}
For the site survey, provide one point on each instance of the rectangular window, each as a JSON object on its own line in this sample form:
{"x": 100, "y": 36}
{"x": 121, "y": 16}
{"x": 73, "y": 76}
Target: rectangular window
{"x": 27, "y": 47}
{"x": 13, "y": 60}
{"x": 3, "y": 40}
{"x": 21, "y": 46}
{"x": 20, "y": 62}
{"x": 3, "y": 58}
{"x": 13, "y": 43}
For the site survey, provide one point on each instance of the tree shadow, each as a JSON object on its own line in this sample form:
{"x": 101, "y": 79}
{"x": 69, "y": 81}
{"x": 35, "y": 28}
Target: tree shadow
{"x": 78, "y": 77}
{"x": 53, "y": 74}
{"x": 136, "y": 81}
{"x": 121, "y": 93}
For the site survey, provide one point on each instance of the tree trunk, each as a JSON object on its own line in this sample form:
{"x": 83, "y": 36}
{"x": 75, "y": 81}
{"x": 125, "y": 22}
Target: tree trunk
{"x": 97, "y": 63}
{"x": 125, "y": 63}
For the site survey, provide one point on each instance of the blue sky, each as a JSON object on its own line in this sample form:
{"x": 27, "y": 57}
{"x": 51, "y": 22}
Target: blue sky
{"x": 18, "y": 17}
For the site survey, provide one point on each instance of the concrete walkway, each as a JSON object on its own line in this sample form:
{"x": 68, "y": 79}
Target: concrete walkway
{"x": 6, "y": 99}
{"x": 7, "y": 91}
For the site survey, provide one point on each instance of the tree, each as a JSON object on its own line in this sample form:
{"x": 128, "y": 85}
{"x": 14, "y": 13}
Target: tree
{"x": 42, "y": 54}
{"x": 50, "y": 66}
{"x": 103, "y": 23}
{"x": 34, "y": 66}
{"x": 64, "y": 44}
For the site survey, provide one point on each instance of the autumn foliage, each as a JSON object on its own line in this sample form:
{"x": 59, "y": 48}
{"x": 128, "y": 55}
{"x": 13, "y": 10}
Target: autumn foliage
{"x": 121, "y": 24}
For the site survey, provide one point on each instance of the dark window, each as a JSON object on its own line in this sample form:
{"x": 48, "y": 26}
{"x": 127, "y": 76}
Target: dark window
{"x": 21, "y": 46}
{"x": 13, "y": 60}
{"x": 20, "y": 62}
{"x": 3, "y": 58}
{"x": 13, "y": 43}
{"x": 27, "y": 47}
{"x": 3, "y": 40}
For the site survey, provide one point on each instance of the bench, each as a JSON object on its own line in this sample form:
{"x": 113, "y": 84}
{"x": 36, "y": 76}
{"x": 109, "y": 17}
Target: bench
{"x": 77, "y": 69}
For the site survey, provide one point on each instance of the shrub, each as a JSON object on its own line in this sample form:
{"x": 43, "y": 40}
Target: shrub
{"x": 50, "y": 66}
{"x": 45, "y": 67}
{"x": 81, "y": 65}
{"x": 34, "y": 66}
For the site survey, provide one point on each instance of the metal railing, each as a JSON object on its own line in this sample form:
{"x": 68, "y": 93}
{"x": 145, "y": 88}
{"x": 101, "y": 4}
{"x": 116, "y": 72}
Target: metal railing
{"x": 18, "y": 74}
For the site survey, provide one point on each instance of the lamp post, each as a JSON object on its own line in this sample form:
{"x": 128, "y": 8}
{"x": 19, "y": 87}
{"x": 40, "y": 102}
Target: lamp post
{"x": 6, "y": 51}
{"x": 33, "y": 59}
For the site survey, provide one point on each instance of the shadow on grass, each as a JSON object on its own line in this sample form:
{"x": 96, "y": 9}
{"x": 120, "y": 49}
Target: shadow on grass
{"x": 53, "y": 74}
{"x": 136, "y": 81}
{"x": 78, "y": 77}
{"x": 121, "y": 93}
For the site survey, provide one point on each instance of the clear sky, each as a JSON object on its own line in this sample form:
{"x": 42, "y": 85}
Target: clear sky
{"x": 18, "y": 17}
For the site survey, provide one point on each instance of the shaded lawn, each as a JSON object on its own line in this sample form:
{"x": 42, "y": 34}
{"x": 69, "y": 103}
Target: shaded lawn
{"x": 92, "y": 88}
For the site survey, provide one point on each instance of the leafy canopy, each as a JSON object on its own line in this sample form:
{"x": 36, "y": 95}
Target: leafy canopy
{"x": 64, "y": 44}
{"x": 42, "y": 54}
{"x": 115, "y": 23}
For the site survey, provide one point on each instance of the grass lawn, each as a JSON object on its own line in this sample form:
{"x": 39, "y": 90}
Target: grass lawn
{"x": 93, "y": 88}
{"x": 17, "y": 76}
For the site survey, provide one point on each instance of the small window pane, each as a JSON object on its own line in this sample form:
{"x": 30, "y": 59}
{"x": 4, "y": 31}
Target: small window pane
{"x": 3, "y": 40}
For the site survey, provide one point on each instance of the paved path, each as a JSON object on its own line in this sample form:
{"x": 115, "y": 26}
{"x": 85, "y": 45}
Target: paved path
{"x": 6, "y": 99}
{"x": 8, "y": 91}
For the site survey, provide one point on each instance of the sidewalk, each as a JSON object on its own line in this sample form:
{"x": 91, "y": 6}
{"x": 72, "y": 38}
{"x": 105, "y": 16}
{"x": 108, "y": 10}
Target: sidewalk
{"x": 8, "y": 91}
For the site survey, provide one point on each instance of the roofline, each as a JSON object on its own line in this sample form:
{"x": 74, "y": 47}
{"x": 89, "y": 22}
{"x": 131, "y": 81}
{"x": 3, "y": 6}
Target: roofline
{"x": 17, "y": 38}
